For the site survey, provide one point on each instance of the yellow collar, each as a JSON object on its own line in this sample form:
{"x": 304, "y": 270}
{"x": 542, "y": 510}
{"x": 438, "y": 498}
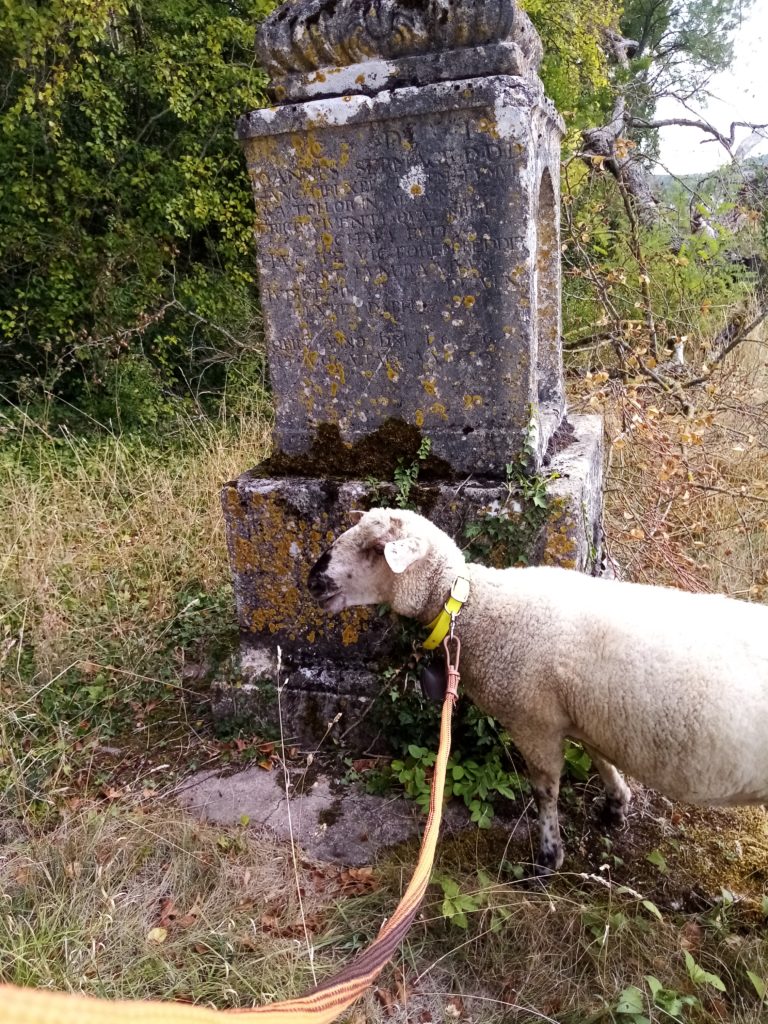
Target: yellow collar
{"x": 439, "y": 626}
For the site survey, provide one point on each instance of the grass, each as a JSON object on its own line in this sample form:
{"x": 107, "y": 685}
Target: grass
{"x": 116, "y": 611}
{"x": 115, "y": 594}
{"x": 145, "y": 902}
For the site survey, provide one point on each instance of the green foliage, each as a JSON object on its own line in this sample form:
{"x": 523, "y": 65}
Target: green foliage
{"x": 477, "y": 783}
{"x": 686, "y": 42}
{"x": 508, "y": 535}
{"x": 480, "y": 770}
{"x": 134, "y": 394}
{"x": 574, "y": 70}
{"x": 620, "y": 290}
{"x": 631, "y": 1004}
{"x": 456, "y": 905}
{"x": 479, "y": 895}
{"x": 668, "y": 999}
{"x": 407, "y": 475}
{"x": 699, "y": 976}
{"x": 659, "y": 861}
{"x": 125, "y": 214}
{"x": 680, "y": 47}
{"x": 759, "y": 984}
{"x": 578, "y": 763}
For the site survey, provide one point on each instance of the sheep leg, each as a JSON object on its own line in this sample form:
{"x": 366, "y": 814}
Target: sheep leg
{"x": 617, "y": 792}
{"x": 545, "y": 782}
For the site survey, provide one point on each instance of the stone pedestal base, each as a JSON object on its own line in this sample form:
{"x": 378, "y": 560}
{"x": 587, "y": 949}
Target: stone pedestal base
{"x": 330, "y": 666}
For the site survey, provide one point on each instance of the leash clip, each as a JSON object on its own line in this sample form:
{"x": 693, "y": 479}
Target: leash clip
{"x": 452, "y": 675}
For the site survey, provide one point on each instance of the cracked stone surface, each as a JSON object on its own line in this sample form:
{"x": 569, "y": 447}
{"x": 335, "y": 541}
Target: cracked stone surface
{"x": 347, "y": 827}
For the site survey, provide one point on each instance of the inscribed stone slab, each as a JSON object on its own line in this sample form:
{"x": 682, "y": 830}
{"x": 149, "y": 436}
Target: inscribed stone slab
{"x": 397, "y": 262}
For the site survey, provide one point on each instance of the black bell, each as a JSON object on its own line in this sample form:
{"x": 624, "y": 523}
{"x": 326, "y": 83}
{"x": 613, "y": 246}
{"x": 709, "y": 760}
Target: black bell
{"x": 433, "y": 680}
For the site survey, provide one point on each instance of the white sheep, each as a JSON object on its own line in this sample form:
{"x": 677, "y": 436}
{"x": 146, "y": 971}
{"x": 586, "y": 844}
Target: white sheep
{"x": 671, "y": 687}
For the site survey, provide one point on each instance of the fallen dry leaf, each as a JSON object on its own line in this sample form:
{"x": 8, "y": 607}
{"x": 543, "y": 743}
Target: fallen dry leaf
{"x": 719, "y": 1008}
{"x": 358, "y": 880}
{"x": 157, "y": 935}
{"x": 454, "y": 1008}
{"x": 167, "y": 912}
{"x": 387, "y": 999}
{"x": 691, "y": 935}
{"x": 312, "y": 923}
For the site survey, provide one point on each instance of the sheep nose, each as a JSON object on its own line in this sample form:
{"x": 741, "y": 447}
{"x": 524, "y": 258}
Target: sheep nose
{"x": 318, "y": 583}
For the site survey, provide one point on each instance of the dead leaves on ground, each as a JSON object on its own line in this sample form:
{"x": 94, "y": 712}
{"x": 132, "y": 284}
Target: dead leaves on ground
{"x": 404, "y": 992}
{"x": 328, "y": 880}
{"x": 170, "y": 919}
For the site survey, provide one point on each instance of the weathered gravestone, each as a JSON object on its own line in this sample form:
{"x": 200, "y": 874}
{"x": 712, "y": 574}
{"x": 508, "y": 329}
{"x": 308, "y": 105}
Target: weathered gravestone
{"x": 407, "y": 222}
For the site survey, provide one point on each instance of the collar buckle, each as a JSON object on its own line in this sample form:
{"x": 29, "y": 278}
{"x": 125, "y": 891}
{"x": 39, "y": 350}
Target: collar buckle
{"x": 445, "y": 621}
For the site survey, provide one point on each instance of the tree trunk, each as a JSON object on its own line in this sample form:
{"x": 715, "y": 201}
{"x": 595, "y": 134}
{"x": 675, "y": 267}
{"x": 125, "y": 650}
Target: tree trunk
{"x": 607, "y": 145}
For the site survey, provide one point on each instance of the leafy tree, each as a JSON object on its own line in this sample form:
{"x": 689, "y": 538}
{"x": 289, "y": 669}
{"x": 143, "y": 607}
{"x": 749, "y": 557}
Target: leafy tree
{"x": 125, "y": 212}
{"x": 665, "y": 47}
{"x": 575, "y": 70}
{"x": 681, "y": 43}
{"x": 679, "y": 46}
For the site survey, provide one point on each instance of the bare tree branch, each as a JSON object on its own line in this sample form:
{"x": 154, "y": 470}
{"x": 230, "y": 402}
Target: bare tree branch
{"x": 740, "y": 335}
{"x": 727, "y": 141}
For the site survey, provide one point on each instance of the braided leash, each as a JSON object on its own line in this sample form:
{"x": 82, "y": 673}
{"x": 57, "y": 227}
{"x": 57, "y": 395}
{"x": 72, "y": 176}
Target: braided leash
{"x": 319, "y": 1006}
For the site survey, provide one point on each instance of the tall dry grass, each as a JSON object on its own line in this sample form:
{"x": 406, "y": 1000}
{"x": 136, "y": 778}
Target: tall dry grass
{"x": 686, "y": 497}
{"x": 98, "y": 536}
{"x": 113, "y": 576}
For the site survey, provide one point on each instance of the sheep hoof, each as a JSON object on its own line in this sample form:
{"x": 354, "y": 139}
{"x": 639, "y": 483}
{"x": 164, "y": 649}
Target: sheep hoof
{"x": 541, "y": 873}
{"x": 548, "y": 861}
{"x": 613, "y": 813}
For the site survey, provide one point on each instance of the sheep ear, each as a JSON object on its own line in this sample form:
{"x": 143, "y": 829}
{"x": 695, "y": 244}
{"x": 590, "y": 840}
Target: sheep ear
{"x": 401, "y": 554}
{"x": 355, "y": 515}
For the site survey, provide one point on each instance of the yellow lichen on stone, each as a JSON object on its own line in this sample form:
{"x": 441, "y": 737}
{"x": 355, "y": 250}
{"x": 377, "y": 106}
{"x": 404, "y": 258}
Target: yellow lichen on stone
{"x": 231, "y": 503}
{"x": 560, "y": 546}
{"x": 487, "y": 127}
{"x": 336, "y": 370}
{"x": 394, "y": 369}
{"x": 242, "y": 553}
{"x": 350, "y": 635}
{"x": 277, "y": 554}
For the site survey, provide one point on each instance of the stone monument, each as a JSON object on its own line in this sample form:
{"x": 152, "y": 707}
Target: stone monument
{"x": 407, "y": 222}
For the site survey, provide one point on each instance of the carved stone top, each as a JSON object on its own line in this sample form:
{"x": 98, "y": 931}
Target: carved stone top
{"x": 306, "y": 35}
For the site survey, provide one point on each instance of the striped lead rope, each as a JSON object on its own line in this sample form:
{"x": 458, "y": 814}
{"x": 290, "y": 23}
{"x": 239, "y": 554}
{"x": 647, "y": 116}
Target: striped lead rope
{"x": 319, "y": 1006}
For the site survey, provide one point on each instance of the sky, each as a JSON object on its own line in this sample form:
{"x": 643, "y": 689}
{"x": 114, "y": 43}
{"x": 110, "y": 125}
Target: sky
{"x": 741, "y": 94}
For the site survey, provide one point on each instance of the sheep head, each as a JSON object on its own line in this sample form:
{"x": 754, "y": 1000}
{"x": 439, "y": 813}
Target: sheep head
{"x": 390, "y": 556}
